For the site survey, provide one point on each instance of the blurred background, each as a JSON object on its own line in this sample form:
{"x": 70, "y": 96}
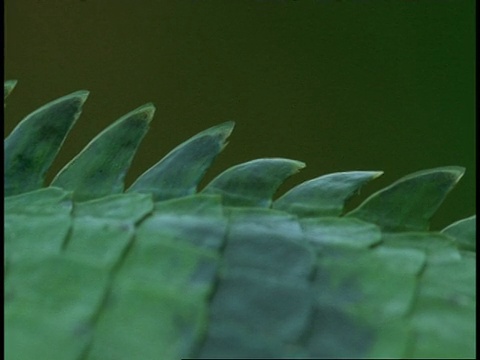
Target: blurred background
{"x": 340, "y": 85}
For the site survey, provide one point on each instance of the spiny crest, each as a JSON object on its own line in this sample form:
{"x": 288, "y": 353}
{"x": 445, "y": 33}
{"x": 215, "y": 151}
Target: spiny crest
{"x": 99, "y": 170}
{"x": 228, "y": 270}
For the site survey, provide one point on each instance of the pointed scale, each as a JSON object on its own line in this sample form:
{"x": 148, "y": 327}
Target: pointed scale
{"x": 253, "y": 183}
{"x": 32, "y": 146}
{"x": 180, "y": 171}
{"x": 8, "y": 86}
{"x": 100, "y": 168}
{"x": 325, "y": 195}
{"x": 464, "y": 233}
{"x": 409, "y": 203}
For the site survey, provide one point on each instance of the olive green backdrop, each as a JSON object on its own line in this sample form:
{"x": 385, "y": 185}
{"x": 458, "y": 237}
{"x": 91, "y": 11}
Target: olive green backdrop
{"x": 341, "y": 85}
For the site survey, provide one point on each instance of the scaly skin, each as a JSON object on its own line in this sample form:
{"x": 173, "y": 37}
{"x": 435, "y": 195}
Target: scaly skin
{"x": 164, "y": 271}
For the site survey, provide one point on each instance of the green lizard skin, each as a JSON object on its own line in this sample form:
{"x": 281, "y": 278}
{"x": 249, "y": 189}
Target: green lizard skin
{"x": 165, "y": 270}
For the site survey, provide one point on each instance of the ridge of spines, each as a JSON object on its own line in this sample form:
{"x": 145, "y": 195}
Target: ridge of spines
{"x": 100, "y": 168}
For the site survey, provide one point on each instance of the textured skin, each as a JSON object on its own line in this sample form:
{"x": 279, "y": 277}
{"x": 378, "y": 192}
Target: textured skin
{"x": 163, "y": 271}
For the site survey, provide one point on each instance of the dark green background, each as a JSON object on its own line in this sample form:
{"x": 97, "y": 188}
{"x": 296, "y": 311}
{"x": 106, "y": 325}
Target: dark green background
{"x": 341, "y": 85}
